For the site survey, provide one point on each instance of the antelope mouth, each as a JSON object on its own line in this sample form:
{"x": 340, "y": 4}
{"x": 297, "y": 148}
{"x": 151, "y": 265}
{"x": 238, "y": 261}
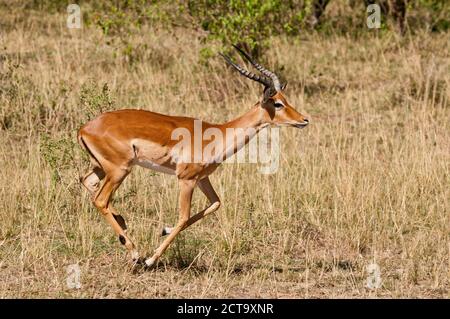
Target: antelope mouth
{"x": 301, "y": 125}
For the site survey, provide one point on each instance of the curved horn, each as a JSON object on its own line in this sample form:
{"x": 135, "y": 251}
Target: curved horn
{"x": 263, "y": 80}
{"x": 271, "y": 75}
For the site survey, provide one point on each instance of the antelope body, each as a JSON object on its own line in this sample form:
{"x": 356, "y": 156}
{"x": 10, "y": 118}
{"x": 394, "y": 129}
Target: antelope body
{"x": 118, "y": 140}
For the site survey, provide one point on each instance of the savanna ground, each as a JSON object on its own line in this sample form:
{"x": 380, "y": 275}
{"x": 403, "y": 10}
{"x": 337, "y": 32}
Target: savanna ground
{"x": 366, "y": 182}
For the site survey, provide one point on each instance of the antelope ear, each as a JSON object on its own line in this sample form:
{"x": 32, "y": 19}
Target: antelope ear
{"x": 283, "y": 86}
{"x": 268, "y": 93}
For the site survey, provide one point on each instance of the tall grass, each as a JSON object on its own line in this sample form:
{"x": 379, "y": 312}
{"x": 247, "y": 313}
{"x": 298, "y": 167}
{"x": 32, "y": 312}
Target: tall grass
{"x": 367, "y": 182}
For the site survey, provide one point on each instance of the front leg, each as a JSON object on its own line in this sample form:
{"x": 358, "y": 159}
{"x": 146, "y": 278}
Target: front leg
{"x": 207, "y": 189}
{"x": 186, "y": 191}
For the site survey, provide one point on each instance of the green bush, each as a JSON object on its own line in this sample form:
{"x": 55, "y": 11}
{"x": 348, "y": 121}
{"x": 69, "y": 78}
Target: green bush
{"x": 432, "y": 14}
{"x": 249, "y": 23}
{"x": 95, "y": 100}
{"x": 58, "y": 153}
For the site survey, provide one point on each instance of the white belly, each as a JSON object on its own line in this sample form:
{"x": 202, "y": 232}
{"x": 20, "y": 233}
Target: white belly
{"x": 154, "y": 166}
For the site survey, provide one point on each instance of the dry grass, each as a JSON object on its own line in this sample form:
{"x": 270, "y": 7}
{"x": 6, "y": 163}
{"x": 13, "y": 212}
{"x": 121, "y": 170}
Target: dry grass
{"x": 367, "y": 181}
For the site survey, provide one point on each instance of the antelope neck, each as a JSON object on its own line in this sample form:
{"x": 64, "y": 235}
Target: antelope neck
{"x": 241, "y": 130}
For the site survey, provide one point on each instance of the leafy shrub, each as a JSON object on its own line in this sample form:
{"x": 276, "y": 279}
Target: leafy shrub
{"x": 95, "y": 100}
{"x": 58, "y": 153}
{"x": 249, "y": 23}
{"x": 432, "y": 14}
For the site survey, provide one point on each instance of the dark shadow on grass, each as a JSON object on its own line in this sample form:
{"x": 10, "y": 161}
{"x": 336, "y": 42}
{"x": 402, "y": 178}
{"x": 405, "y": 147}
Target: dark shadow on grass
{"x": 170, "y": 264}
{"x": 197, "y": 268}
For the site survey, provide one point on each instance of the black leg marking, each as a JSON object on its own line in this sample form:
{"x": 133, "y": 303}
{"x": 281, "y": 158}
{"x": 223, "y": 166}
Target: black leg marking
{"x": 166, "y": 231}
{"x": 119, "y": 219}
{"x": 99, "y": 172}
{"x": 122, "y": 240}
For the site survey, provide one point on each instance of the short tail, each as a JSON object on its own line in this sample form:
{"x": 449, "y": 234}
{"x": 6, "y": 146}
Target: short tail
{"x": 83, "y": 144}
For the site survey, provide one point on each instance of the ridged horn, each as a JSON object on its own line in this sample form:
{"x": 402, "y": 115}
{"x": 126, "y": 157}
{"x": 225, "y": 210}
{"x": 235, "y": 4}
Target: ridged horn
{"x": 260, "y": 68}
{"x": 263, "y": 80}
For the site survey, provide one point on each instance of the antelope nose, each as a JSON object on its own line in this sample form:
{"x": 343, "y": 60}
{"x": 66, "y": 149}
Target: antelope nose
{"x": 305, "y": 120}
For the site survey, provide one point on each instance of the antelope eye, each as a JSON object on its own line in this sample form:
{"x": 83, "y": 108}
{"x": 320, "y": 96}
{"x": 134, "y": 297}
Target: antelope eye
{"x": 278, "y": 105}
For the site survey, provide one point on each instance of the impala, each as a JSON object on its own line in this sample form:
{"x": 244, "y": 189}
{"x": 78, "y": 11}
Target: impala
{"x": 118, "y": 140}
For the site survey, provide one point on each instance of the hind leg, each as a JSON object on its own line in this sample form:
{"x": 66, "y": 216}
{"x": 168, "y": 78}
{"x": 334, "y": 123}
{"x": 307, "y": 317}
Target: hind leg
{"x": 92, "y": 181}
{"x": 102, "y": 202}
